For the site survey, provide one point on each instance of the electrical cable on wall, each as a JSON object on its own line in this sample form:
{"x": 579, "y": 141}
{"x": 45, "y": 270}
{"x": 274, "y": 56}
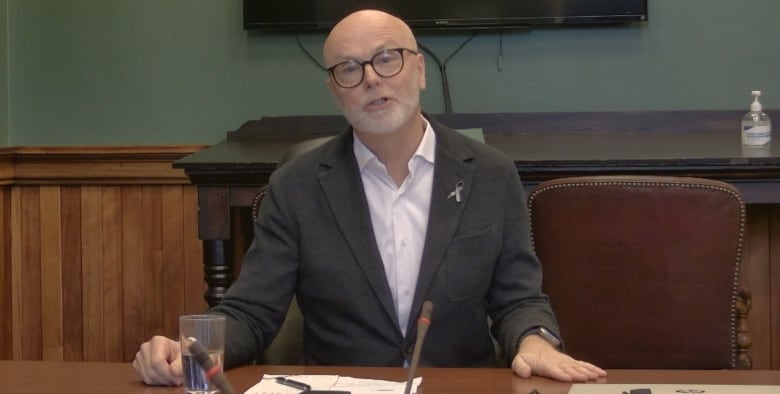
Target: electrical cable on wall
{"x": 500, "y": 59}
{"x": 313, "y": 59}
{"x": 443, "y": 70}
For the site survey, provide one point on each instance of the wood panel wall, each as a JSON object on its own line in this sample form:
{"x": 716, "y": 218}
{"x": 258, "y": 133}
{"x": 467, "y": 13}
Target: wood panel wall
{"x": 761, "y": 275}
{"x": 99, "y": 251}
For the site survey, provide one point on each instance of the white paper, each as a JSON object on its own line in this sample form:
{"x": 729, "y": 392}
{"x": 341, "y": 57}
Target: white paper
{"x": 268, "y": 385}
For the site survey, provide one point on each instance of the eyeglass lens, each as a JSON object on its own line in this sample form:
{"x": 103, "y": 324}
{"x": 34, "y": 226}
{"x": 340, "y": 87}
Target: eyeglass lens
{"x": 386, "y": 64}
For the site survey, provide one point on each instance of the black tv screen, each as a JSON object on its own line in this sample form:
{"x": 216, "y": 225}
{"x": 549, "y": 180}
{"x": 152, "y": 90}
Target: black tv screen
{"x": 442, "y": 14}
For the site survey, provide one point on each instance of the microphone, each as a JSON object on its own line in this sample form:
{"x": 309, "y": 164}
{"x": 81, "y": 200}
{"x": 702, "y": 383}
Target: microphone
{"x": 213, "y": 371}
{"x": 422, "y": 328}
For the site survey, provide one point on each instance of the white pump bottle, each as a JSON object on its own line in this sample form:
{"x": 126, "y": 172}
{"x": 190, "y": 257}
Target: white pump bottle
{"x": 756, "y": 127}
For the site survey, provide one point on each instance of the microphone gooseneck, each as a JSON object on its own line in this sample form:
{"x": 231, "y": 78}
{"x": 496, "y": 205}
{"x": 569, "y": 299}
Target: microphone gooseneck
{"x": 423, "y": 322}
{"x": 213, "y": 371}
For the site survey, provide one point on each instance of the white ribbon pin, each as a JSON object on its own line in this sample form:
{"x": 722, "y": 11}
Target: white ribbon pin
{"x": 456, "y": 192}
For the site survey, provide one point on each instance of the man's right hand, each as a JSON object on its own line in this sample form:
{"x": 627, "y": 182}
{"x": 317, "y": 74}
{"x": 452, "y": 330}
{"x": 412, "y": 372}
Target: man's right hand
{"x": 159, "y": 362}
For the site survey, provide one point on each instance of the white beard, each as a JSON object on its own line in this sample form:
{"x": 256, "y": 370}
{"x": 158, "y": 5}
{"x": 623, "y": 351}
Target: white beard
{"x": 383, "y": 122}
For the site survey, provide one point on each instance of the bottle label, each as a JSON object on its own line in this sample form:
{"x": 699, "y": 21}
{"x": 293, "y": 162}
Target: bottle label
{"x": 756, "y": 135}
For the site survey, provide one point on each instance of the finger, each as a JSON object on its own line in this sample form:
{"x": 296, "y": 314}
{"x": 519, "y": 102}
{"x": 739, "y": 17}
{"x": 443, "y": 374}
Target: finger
{"x": 176, "y": 366}
{"x": 159, "y": 347}
{"x": 564, "y": 370}
{"x": 582, "y": 372}
{"x": 160, "y": 372}
{"x": 575, "y": 373}
{"x": 521, "y": 367}
{"x": 557, "y": 372}
{"x": 139, "y": 369}
{"x": 140, "y": 365}
{"x": 594, "y": 369}
{"x": 148, "y": 375}
{"x": 153, "y": 362}
{"x": 165, "y": 360}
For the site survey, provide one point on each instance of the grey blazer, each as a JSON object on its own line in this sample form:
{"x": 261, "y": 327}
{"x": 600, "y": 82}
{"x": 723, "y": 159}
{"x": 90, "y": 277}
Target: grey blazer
{"x": 313, "y": 238}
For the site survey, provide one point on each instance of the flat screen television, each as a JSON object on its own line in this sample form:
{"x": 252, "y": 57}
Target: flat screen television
{"x": 312, "y": 15}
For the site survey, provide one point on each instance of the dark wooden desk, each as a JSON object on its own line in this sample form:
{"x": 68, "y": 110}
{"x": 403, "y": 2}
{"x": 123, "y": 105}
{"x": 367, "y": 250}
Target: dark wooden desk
{"x": 543, "y": 145}
{"x": 45, "y": 377}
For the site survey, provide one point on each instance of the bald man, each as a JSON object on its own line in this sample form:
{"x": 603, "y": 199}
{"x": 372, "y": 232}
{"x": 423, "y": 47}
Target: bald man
{"x": 397, "y": 210}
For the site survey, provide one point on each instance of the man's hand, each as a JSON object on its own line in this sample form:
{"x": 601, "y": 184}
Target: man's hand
{"x": 535, "y": 356}
{"x": 159, "y": 362}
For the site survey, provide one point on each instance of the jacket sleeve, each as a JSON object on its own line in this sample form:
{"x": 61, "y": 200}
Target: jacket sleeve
{"x": 257, "y": 302}
{"x": 516, "y": 301}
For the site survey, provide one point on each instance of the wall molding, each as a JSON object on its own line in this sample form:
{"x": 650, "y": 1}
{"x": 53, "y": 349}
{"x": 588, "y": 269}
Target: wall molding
{"x": 93, "y": 165}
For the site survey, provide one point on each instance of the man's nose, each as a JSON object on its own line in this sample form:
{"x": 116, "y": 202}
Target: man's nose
{"x": 369, "y": 74}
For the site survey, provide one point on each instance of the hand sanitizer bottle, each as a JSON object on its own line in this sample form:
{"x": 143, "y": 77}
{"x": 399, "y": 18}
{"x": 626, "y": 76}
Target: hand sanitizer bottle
{"x": 756, "y": 127}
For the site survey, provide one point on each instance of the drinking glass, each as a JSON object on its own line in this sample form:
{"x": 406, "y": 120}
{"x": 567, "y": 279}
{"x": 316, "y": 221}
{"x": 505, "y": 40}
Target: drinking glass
{"x": 209, "y": 330}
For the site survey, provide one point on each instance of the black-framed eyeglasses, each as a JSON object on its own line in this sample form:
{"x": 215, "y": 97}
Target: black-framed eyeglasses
{"x": 387, "y": 63}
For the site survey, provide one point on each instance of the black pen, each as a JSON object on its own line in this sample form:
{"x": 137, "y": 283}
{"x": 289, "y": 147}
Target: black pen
{"x": 293, "y": 383}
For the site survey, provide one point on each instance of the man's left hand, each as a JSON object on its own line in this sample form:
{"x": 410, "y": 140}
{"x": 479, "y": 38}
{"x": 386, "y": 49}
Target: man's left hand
{"x": 535, "y": 356}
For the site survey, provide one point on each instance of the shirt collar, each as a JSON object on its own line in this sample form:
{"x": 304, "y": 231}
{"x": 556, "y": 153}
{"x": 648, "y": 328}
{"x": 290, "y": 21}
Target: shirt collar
{"x": 426, "y": 150}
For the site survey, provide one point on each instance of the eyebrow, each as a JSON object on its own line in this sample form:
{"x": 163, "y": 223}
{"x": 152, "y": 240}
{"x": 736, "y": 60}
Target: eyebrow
{"x": 381, "y": 48}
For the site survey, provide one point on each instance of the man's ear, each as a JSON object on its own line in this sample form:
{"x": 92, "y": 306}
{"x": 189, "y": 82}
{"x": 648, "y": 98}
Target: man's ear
{"x": 331, "y": 87}
{"x": 421, "y": 70}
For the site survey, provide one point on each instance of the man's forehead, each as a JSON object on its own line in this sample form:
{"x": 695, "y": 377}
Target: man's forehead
{"x": 359, "y": 49}
{"x": 365, "y": 34}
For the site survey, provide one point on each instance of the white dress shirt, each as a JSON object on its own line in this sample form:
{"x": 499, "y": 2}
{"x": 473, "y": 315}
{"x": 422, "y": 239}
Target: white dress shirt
{"x": 399, "y": 216}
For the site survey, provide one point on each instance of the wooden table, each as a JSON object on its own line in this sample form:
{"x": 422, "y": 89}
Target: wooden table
{"x": 46, "y": 377}
{"x": 543, "y": 145}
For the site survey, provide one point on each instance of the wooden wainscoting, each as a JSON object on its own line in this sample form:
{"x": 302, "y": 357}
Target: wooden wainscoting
{"x": 761, "y": 275}
{"x": 99, "y": 251}
{"x": 6, "y": 341}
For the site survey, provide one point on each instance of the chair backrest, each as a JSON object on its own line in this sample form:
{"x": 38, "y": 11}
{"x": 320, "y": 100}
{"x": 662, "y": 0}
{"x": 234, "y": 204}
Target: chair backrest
{"x": 642, "y": 271}
{"x": 287, "y": 347}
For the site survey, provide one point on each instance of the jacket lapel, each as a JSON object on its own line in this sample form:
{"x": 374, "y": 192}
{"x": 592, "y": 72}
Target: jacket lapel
{"x": 451, "y": 169}
{"x": 343, "y": 188}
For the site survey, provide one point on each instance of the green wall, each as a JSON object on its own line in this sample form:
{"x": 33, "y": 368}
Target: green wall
{"x": 3, "y": 72}
{"x": 106, "y": 72}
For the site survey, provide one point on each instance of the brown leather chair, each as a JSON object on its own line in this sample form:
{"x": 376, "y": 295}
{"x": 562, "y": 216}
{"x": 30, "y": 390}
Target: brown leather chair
{"x": 643, "y": 271}
{"x": 287, "y": 347}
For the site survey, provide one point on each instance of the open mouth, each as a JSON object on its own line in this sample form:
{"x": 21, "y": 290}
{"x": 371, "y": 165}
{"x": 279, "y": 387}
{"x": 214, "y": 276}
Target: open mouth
{"x": 378, "y": 102}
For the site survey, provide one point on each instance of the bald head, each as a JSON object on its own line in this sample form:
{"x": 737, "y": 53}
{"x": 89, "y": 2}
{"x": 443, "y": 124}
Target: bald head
{"x": 376, "y": 102}
{"x": 364, "y": 32}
